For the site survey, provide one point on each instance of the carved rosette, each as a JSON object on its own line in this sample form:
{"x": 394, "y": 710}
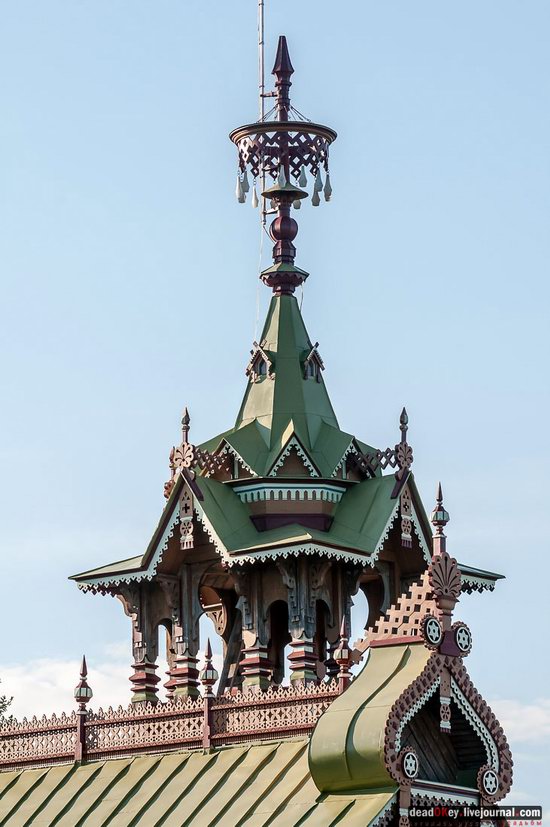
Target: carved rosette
{"x": 408, "y": 766}
{"x": 488, "y": 784}
{"x": 431, "y": 631}
{"x": 462, "y": 638}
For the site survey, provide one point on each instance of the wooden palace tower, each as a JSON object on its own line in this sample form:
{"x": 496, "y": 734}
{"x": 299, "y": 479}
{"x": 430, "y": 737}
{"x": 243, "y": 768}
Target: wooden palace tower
{"x": 271, "y": 528}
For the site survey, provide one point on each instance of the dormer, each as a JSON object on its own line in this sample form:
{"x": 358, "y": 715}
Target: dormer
{"x": 260, "y": 364}
{"x": 313, "y": 364}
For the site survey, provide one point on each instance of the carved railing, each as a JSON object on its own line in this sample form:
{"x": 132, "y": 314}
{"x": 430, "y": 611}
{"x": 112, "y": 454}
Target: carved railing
{"x": 282, "y": 712}
{"x": 48, "y": 740}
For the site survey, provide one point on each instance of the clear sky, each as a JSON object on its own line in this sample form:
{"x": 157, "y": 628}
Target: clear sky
{"x": 129, "y": 288}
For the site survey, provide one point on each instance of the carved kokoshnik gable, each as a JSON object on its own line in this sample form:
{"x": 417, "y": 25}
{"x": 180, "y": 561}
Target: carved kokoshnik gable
{"x": 272, "y": 527}
{"x": 440, "y": 739}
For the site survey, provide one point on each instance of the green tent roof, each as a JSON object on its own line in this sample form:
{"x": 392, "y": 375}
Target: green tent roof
{"x": 285, "y": 404}
{"x": 273, "y": 402}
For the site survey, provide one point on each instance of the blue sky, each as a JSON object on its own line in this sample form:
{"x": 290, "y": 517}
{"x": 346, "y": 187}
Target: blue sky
{"x": 129, "y": 288}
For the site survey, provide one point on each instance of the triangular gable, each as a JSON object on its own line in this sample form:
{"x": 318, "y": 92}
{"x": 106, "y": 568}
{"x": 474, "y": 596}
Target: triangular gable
{"x": 368, "y": 511}
{"x": 294, "y": 445}
{"x": 176, "y": 513}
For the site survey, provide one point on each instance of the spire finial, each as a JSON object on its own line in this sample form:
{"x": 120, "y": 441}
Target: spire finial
{"x": 83, "y": 692}
{"x": 185, "y": 425}
{"x": 208, "y": 674}
{"x": 342, "y": 656}
{"x": 439, "y": 519}
{"x": 283, "y": 71}
{"x": 404, "y": 424}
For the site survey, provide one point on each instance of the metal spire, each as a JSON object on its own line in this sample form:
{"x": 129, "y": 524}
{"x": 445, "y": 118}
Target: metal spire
{"x": 439, "y": 519}
{"x": 283, "y": 71}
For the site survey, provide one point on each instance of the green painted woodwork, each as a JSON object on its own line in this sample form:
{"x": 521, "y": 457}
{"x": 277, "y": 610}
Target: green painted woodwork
{"x": 347, "y": 746}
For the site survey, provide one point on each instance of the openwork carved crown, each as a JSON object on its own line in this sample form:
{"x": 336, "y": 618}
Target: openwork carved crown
{"x": 282, "y": 152}
{"x": 288, "y": 141}
{"x": 400, "y": 456}
{"x": 187, "y": 456}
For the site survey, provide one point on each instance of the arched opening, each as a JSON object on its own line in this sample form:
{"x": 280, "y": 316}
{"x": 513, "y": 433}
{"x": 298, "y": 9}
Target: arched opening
{"x": 207, "y": 631}
{"x": 446, "y": 758}
{"x": 167, "y": 654}
{"x": 279, "y": 638}
{"x": 322, "y": 616}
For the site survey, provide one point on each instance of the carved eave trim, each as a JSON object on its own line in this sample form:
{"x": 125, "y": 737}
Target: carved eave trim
{"x": 477, "y": 724}
{"x": 478, "y": 581}
{"x": 212, "y": 534}
{"x": 258, "y": 353}
{"x": 255, "y": 492}
{"x": 300, "y": 550}
{"x": 109, "y": 583}
{"x": 351, "y": 449}
{"x": 314, "y": 356}
{"x": 385, "y": 816}
{"x": 424, "y": 544}
{"x": 445, "y": 793}
{"x": 228, "y": 449}
{"x": 294, "y": 443}
{"x": 386, "y": 532}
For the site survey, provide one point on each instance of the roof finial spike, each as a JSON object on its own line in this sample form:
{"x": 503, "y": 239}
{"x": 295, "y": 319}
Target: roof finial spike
{"x": 439, "y": 519}
{"x": 342, "y": 656}
{"x": 82, "y": 691}
{"x": 343, "y": 627}
{"x": 185, "y": 425}
{"x": 283, "y": 71}
{"x": 404, "y": 424}
{"x": 208, "y": 674}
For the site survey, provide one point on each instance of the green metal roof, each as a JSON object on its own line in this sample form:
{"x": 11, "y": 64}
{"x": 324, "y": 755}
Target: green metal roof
{"x": 242, "y": 786}
{"x": 357, "y": 526}
{"x": 273, "y": 402}
{"x": 347, "y": 745}
{"x": 278, "y": 407}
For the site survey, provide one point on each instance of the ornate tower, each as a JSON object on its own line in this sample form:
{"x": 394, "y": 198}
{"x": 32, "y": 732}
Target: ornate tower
{"x": 271, "y": 527}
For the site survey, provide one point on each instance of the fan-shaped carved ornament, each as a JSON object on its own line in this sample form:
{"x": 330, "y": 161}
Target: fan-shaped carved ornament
{"x": 445, "y": 578}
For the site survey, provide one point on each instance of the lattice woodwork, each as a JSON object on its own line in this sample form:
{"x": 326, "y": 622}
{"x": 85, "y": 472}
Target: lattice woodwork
{"x": 279, "y": 712}
{"x": 404, "y": 618}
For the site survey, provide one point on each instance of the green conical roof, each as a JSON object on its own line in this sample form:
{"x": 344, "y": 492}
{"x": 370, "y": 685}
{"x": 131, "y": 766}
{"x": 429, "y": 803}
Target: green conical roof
{"x": 275, "y": 402}
{"x": 284, "y": 404}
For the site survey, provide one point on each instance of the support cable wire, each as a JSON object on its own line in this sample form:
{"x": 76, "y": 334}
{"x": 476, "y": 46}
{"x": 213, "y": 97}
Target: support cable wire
{"x": 261, "y": 108}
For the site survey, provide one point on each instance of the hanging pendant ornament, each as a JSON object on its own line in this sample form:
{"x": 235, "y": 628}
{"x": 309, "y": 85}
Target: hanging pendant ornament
{"x": 318, "y": 186}
{"x": 328, "y": 189}
{"x": 284, "y": 161}
{"x": 239, "y": 192}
